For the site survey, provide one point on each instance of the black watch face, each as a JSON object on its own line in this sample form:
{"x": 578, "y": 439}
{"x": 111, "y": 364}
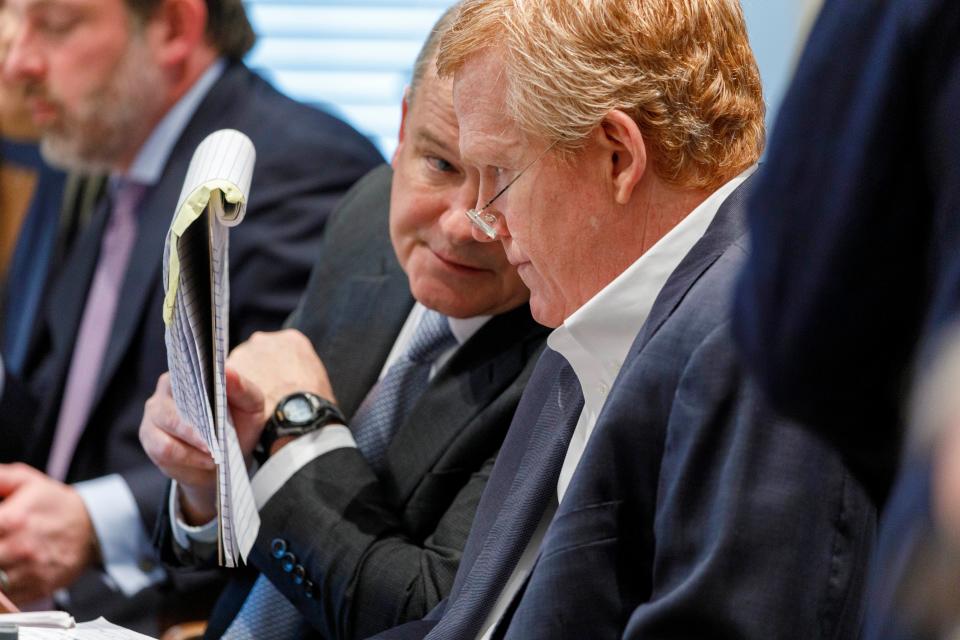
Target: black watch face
{"x": 298, "y": 410}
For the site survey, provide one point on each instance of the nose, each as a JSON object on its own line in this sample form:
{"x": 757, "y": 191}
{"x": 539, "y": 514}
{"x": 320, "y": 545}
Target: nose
{"x": 485, "y": 225}
{"x": 486, "y": 221}
{"x": 23, "y": 60}
{"x": 454, "y": 222}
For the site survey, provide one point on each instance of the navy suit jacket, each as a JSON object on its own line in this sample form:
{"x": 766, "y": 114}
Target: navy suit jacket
{"x": 855, "y": 270}
{"x": 855, "y": 264}
{"x": 695, "y": 512}
{"x": 380, "y": 550}
{"x": 306, "y": 160}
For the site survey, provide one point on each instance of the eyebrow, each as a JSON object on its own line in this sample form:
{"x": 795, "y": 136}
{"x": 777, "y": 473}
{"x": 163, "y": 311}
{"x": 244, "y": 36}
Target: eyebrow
{"x": 43, "y": 4}
{"x": 49, "y": 5}
{"x": 423, "y": 134}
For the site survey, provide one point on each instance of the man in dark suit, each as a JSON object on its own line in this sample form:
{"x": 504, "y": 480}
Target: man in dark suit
{"x": 856, "y": 276}
{"x": 658, "y": 498}
{"x": 356, "y": 541}
{"x": 131, "y": 89}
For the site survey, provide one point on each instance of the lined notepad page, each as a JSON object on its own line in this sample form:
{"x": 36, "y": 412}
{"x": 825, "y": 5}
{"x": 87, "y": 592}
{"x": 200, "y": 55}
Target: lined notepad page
{"x": 196, "y": 312}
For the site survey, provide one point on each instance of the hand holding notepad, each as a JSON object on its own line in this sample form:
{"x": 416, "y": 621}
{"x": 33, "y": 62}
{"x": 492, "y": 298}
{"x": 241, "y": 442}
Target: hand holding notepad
{"x": 196, "y": 313}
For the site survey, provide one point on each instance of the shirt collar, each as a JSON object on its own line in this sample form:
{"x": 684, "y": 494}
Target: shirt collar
{"x": 461, "y": 328}
{"x": 464, "y": 328}
{"x": 148, "y": 165}
{"x": 595, "y": 338}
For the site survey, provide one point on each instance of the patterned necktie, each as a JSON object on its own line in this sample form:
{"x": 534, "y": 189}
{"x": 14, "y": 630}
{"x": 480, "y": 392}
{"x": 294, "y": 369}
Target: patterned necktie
{"x": 95, "y": 327}
{"x": 383, "y": 410}
{"x": 534, "y": 485}
{"x": 266, "y": 614}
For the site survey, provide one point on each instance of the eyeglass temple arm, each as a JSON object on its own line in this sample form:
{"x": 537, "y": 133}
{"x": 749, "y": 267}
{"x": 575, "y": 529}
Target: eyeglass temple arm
{"x": 517, "y": 177}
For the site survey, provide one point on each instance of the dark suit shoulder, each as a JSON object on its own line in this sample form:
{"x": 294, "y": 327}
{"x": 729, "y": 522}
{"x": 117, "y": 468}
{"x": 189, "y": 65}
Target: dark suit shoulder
{"x": 273, "y": 116}
{"x": 706, "y": 305}
{"x": 362, "y": 217}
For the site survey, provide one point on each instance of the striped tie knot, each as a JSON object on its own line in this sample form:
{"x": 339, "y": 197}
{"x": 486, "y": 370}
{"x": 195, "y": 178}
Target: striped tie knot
{"x": 432, "y": 337}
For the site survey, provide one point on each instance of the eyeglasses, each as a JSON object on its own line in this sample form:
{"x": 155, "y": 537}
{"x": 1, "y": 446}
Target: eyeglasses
{"x": 483, "y": 219}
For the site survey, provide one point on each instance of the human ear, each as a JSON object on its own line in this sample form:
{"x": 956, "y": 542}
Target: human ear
{"x": 625, "y": 151}
{"x": 176, "y": 29}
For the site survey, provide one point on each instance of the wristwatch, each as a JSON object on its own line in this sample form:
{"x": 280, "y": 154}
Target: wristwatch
{"x": 300, "y": 413}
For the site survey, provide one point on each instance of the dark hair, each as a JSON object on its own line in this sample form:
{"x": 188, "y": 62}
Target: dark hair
{"x": 228, "y": 28}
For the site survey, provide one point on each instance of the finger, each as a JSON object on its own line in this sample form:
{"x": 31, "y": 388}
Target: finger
{"x": 242, "y": 394}
{"x": 14, "y": 476}
{"x": 24, "y": 582}
{"x": 14, "y": 581}
{"x": 160, "y": 413}
{"x": 194, "y": 478}
{"x": 6, "y": 604}
{"x": 18, "y": 510}
{"x": 163, "y": 385}
{"x": 11, "y": 548}
{"x": 172, "y": 454}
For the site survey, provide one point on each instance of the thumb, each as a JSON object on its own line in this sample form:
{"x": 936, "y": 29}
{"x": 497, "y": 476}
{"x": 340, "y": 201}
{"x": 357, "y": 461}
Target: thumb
{"x": 242, "y": 394}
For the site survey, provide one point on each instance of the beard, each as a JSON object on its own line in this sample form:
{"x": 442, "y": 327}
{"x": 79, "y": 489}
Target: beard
{"x": 112, "y": 121}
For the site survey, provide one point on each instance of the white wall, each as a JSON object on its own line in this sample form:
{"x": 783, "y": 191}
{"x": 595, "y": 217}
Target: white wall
{"x": 353, "y": 57}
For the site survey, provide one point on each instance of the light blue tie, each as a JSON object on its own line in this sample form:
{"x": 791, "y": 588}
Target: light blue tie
{"x": 266, "y": 614}
{"x": 383, "y": 410}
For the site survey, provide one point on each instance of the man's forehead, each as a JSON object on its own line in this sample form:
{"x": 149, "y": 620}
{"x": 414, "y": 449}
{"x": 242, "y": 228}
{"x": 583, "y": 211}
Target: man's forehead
{"x": 432, "y": 113}
{"x": 111, "y": 10}
{"x": 479, "y": 87}
{"x": 479, "y": 98}
{"x": 488, "y": 136}
{"x": 43, "y": 5}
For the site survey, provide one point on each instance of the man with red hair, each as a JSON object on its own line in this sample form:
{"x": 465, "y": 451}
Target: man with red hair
{"x": 644, "y": 489}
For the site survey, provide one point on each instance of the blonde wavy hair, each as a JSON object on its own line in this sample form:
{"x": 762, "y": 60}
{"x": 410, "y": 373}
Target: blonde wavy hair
{"x": 682, "y": 69}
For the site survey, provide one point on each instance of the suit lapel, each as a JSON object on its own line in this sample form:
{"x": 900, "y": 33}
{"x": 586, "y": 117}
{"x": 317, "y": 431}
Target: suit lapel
{"x": 354, "y": 353}
{"x": 68, "y": 296}
{"x": 142, "y": 281}
{"x": 358, "y": 297}
{"x": 727, "y": 226}
{"x": 476, "y": 375}
{"x": 509, "y": 460}
{"x": 513, "y": 505}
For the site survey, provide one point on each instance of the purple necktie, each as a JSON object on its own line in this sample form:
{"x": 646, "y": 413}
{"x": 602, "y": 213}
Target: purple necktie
{"x": 95, "y": 327}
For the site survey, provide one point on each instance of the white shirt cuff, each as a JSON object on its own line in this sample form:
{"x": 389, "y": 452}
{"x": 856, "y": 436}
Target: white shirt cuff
{"x": 128, "y": 556}
{"x": 184, "y": 534}
{"x": 294, "y": 456}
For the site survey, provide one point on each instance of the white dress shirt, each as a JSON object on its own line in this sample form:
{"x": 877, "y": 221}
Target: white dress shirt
{"x": 595, "y": 340}
{"x": 299, "y": 452}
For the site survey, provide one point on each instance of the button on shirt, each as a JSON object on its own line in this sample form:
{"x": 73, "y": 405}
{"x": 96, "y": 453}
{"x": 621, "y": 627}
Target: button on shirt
{"x": 595, "y": 340}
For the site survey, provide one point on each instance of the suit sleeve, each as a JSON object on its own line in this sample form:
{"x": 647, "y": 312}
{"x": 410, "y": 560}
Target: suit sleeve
{"x": 367, "y": 572}
{"x": 759, "y": 531}
{"x": 832, "y": 301}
